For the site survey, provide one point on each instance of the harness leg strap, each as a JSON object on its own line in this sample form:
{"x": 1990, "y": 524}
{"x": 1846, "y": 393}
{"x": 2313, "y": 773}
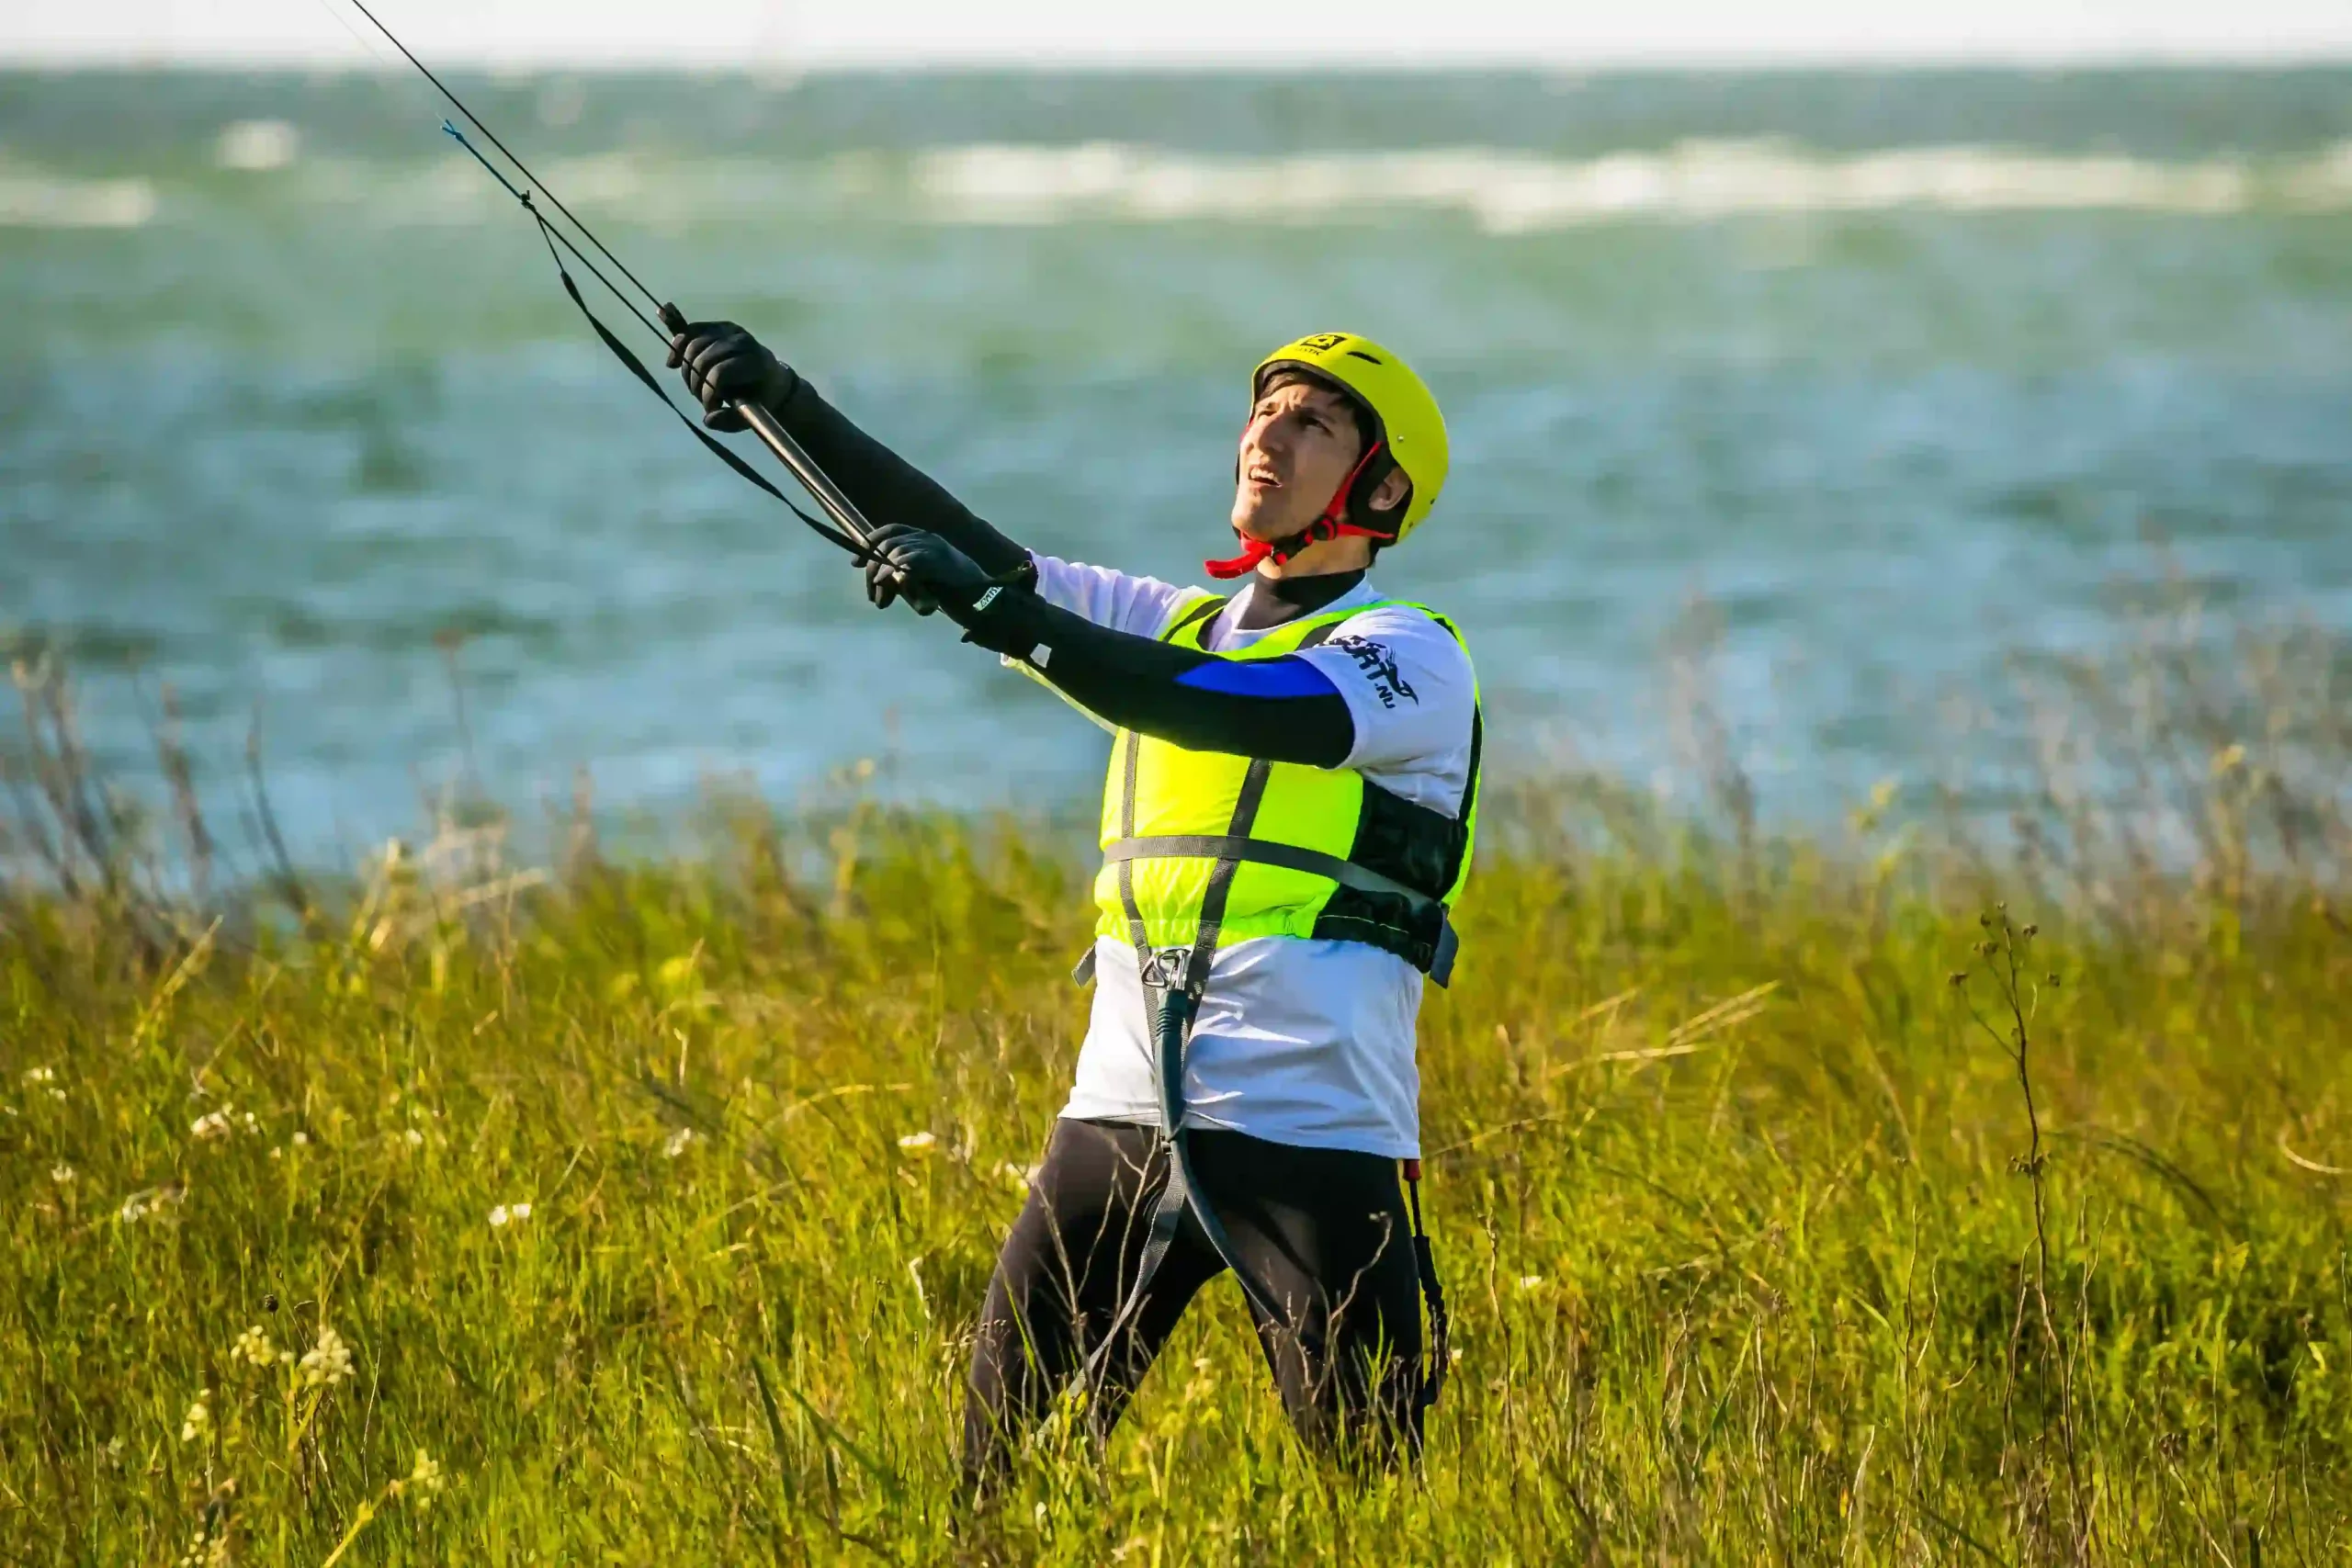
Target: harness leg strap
{"x": 1174, "y": 1015}
{"x": 1171, "y": 1003}
{"x": 1173, "y": 1010}
{"x": 1167, "y": 1215}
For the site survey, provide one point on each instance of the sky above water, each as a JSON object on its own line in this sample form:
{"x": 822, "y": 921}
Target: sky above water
{"x": 1063, "y": 32}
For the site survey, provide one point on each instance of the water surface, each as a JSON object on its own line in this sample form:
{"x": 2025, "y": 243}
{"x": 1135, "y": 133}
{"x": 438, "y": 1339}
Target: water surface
{"x": 1900, "y": 372}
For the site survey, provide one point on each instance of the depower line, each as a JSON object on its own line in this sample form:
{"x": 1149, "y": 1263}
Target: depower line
{"x": 849, "y": 529}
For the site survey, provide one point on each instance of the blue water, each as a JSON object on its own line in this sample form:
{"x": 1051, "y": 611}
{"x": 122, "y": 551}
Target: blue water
{"x": 1891, "y": 379}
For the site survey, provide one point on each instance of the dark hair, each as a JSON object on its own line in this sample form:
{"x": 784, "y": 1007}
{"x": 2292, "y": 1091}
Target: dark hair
{"x": 1300, "y": 376}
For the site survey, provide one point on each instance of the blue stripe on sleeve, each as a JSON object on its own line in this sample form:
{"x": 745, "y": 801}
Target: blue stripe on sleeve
{"x": 1285, "y": 677}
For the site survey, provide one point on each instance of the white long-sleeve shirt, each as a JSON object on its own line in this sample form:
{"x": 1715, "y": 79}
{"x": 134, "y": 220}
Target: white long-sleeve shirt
{"x": 1306, "y": 1041}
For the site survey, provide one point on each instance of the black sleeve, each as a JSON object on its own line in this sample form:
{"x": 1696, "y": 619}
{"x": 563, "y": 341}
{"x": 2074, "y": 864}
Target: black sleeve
{"x": 1281, "y": 709}
{"x": 887, "y": 488}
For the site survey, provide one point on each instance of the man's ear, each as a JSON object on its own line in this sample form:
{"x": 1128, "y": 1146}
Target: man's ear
{"x": 1391, "y": 492}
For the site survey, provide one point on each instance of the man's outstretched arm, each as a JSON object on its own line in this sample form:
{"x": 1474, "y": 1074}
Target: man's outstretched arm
{"x": 1281, "y": 709}
{"x": 722, "y": 364}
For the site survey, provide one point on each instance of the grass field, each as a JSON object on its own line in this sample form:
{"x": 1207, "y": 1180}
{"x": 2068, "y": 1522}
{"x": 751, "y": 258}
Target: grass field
{"x": 1799, "y": 1203}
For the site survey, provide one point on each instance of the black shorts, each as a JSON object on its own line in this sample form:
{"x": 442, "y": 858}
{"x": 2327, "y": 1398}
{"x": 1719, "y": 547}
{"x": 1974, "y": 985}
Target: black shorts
{"x": 1325, "y": 1231}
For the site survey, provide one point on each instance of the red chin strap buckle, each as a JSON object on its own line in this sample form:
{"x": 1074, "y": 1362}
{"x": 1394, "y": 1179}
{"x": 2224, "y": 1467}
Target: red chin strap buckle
{"x": 1328, "y": 526}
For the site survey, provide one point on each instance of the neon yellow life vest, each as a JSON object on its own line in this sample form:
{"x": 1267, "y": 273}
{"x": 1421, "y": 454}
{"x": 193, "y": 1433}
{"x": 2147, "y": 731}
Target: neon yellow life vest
{"x": 1276, "y": 849}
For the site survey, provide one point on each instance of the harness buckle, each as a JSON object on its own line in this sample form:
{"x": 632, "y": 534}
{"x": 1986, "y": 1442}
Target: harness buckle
{"x": 1168, "y": 969}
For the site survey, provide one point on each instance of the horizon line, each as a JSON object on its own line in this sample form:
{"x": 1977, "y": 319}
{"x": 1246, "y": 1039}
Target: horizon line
{"x": 1661, "y": 62}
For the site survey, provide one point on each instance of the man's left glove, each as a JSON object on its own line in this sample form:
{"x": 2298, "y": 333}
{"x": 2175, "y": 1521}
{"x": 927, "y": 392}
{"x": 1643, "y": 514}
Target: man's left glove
{"x": 930, "y": 573}
{"x": 722, "y": 364}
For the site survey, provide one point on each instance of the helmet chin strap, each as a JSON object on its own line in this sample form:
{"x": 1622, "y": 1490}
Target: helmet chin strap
{"x": 1330, "y": 526}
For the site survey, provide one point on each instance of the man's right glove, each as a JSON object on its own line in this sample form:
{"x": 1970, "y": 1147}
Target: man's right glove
{"x": 721, "y": 364}
{"x": 930, "y": 573}
{"x": 924, "y": 569}
{"x": 886, "y": 581}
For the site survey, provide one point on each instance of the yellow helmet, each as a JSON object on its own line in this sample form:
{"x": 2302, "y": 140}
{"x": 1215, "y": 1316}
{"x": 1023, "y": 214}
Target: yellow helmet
{"x": 1400, "y": 402}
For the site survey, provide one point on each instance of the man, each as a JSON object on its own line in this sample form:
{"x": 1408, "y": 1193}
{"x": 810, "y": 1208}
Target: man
{"x": 1289, "y": 813}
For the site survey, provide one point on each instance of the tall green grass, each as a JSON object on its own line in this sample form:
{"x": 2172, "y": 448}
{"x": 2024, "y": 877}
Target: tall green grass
{"x": 1799, "y": 1201}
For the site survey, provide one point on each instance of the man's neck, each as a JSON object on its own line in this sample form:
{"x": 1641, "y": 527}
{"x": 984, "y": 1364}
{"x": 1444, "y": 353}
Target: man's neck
{"x": 1277, "y": 600}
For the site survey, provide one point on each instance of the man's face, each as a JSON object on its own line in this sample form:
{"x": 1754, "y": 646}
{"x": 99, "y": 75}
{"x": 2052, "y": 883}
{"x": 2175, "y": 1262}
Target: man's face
{"x": 1301, "y": 442}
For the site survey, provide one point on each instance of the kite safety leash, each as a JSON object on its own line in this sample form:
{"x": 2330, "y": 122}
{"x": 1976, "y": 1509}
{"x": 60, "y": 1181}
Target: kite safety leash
{"x": 848, "y": 529}
{"x": 1440, "y": 1321}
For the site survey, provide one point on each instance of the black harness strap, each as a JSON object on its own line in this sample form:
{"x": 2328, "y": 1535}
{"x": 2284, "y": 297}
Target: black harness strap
{"x": 1171, "y": 1009}
{"x": 1171, "y": 1003}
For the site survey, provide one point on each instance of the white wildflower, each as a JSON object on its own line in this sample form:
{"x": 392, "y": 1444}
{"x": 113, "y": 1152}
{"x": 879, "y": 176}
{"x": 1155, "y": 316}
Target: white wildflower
{"x": 55, "y": 1092}
{"x": 252, "y": 1121}
{"x": 211, "y": 1125}
{"x": 1530, "y": 1281}
{"x": 199, "y": 1420}
{"x": 918, "y": 1141}
{"x": 521, "y": 1211}
{"x": 498, "y": 1216}
{"x": 517, "y": 1213}
{"x": 205, "y": 1549}
{"x": 300, "y": 1139}
{"x": 416, "y": 1139}
{"x": 254, "y": 1346}
{"x": 40, "y": 1074}
{"x": 327, "y": 1362}
{"x": 151, "y": 1201}
{"x": 423, "y": 1480}
{"x": 61, "y": 1174}
{"x": 675, "y": 1144}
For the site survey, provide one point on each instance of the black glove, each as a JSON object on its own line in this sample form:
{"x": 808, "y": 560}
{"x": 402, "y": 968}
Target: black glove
{"x": 931, "y": 574}
{"x": 923, "y": 568}
{"x": 721, "y": 363}
{"x": 885, "y": 583}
